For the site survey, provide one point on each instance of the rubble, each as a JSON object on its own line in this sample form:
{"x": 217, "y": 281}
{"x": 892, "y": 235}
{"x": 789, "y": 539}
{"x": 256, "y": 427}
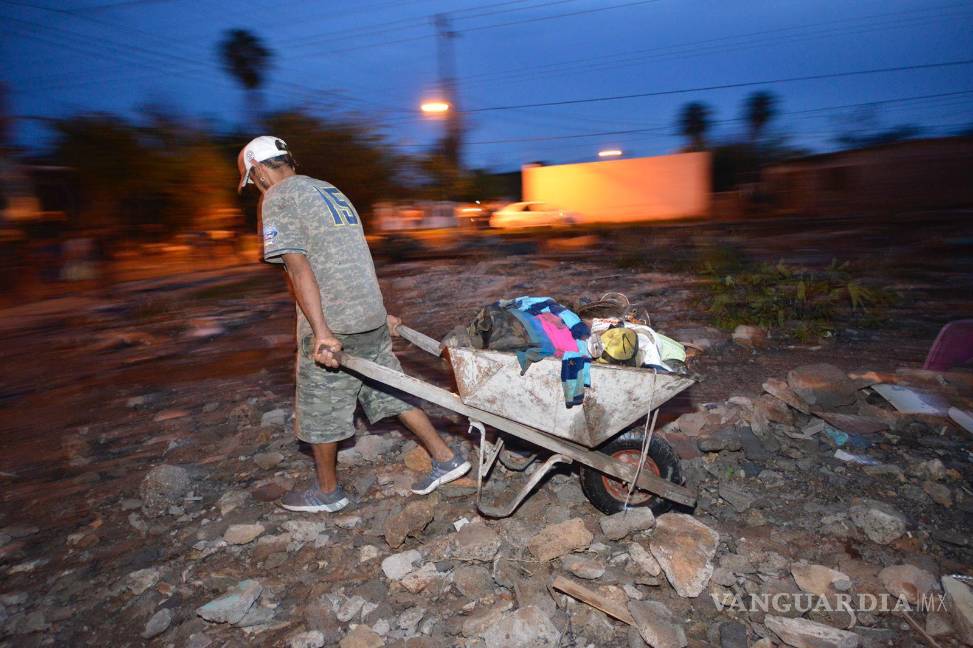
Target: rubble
{"x": 583, "y": 566}
{"x": 233, "y": 605}
{"x": 476, "y": 542}
{"x": 657, "y": 625}
{"x": 158, "y": 624}
{"x": 820, "y": 580}
{"x": 881, "y": 522}
{"x": 241, "y": 534}
{"x": 908, "y": 582}
{"x": 361, "y": 636}
{"x": 558, "y": 539}
{"x": 822, "y": 385}
{"x": 410, "y": 520}
{"x": 162, "y": 487}
{"x": 643, "y": 559}
{"x": 619, "y": 525}
{"x": 684, "y": 548}
{"x": 750, "y": 337}
{"x": 959, "y": 600}
{"x": 791, "y": 518}
{"x": 528, "y": 627}
{"x": 396, "y": 566}
{"x": 803, "y": 633}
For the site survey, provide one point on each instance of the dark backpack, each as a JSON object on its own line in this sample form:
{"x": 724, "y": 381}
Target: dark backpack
{"x": 496, "y": 328}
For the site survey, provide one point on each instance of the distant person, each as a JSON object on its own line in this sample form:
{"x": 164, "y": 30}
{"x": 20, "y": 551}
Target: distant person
{"x": 313, "y": 229}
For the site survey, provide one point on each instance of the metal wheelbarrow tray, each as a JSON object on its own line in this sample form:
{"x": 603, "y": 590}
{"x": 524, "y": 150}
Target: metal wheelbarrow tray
{"x": 531, "y": 408}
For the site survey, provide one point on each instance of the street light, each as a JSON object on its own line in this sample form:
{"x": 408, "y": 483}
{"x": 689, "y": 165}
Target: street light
{"x": 609, "y": 153}
{"x": 435, "y": 107}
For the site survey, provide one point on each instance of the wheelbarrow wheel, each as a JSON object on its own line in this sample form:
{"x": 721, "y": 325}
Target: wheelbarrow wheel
{"x": 607, "y": 494}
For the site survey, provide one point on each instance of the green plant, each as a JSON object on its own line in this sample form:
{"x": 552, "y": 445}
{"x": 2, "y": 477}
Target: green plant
{"x": 799, "y": 302}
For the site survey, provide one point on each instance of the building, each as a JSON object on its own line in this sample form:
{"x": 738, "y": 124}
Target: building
{"x": 663, "y": 187}
{"x": 903, "y": 176}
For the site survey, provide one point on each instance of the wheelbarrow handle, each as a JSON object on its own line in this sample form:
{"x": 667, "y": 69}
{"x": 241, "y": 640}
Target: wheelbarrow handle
{"x": 420, "y": 340}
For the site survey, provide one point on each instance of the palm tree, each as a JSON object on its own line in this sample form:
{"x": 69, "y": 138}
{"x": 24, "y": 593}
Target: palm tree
{"x": 761, "y": 106}
{"x": 246, "y": 59}
{"x": 693, "y": 123}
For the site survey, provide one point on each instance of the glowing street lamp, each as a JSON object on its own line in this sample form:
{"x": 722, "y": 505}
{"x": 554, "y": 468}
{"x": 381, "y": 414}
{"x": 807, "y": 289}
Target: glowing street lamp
{"x": 434, "y": 107}
{"x": 608, "y": 153}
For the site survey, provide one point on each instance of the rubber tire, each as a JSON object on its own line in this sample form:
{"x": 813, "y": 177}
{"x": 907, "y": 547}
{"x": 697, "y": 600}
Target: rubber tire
{"x": 660, "y": 452}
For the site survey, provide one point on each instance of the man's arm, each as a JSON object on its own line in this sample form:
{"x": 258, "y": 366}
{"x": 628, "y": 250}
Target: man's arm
{"x": 309, "y": 299}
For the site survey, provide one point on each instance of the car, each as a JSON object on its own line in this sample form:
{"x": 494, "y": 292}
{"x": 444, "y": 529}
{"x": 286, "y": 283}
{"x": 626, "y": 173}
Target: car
{"x": 531, "y": 214}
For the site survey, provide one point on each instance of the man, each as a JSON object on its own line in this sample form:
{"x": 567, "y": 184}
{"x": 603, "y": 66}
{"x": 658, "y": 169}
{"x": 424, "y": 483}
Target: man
{"x": 313, "y": 229}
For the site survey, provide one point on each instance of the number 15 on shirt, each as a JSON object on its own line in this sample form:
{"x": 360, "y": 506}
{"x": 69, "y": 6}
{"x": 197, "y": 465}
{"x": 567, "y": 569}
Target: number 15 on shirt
{"x": 341, "y": 211}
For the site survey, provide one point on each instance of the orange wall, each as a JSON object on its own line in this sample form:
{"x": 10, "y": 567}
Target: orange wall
{"x": 650, "y": 188}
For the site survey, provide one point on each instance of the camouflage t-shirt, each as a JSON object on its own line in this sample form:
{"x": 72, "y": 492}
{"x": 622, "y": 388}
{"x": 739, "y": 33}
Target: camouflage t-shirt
{"x": 311, "y": 217}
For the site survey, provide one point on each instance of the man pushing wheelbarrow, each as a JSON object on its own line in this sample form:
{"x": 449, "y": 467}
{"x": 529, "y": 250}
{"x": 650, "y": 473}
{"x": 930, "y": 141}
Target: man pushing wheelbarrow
{"x": 546, "y": 392}
{"x": 314, "y": 231}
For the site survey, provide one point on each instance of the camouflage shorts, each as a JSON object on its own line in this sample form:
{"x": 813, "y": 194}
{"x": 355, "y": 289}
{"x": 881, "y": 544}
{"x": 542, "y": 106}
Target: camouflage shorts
{"x": 326, "y": 398}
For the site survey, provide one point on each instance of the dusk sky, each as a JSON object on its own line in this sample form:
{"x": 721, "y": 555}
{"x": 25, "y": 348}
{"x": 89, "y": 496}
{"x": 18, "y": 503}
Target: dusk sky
{"x": 377, "y": 59}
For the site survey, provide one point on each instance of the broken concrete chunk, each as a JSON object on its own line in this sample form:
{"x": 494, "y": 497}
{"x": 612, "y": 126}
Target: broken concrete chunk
{"x": 960, "y": 603}
{"x": 162, "y": 487}
{"x": 619, "y": 525}
{"x": 143, "y": 579}
{"x": 361, "y": 637}
{"x": 657, "y": 625}
{"x": 232, "y": 606}
{"x": 820, "y": 580}
{"x": 802, "y": 633}
{"x": 528, "y": 627}
{"x": 410, "y": 520}
{"x": 684, "y": 548}
{"x": 643, "y": 559}
{"x": 822, "y": 386}
{"x": 584, "y": 566}
{"x": 241, "y": 534}
{"x": 558, "y": 539}
{"x": 750, "y": 337}
{"x": 158, "y": 624}
{"x": 476, "y": 542}
{"x": 736, "y": 495}
{"x": 908, "y": 582}
{"x": 398, "y": 565}
{"x": 780, "y": 389}
{"x": 881, "y": 522}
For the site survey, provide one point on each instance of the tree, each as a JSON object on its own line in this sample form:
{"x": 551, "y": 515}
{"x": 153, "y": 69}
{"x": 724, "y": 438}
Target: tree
{"x": 353, "y": 156}
{"x": 246, "y": 59}
{"x": 863, "y": 128}
{"x": 162, "y": 174}
{"x": 694, "y": 121}
{"x": 760, "y": 108}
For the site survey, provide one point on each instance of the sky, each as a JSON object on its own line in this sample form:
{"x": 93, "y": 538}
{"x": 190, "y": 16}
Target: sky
{"x": 582, "y": 60}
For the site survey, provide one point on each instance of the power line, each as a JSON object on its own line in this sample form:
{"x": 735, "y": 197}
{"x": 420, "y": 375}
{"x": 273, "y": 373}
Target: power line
{"x": 725, "y": 86}
{"x": 659, "y": 129}
{"x": 490, "y": 26}
{"x": 710, "y": 46}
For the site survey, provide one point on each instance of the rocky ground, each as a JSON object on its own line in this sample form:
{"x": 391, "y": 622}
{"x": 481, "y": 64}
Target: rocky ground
{"x": 147, "y": 435}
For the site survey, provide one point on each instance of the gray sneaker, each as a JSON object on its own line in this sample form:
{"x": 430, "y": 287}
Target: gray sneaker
{"x": 442, "y": 472}
{"x": 313, "y": 500}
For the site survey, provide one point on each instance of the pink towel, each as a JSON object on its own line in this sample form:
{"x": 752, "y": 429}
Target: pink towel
{"x": 558, "y": 333}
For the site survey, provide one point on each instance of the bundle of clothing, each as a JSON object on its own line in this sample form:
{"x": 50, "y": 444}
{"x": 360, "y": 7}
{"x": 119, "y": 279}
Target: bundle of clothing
{"x": 623, "y": 342}
{"x": 536, "y": 328}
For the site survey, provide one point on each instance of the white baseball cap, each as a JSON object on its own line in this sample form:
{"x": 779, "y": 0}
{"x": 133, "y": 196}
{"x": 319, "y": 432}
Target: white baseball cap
{"x": 259, "y": 149}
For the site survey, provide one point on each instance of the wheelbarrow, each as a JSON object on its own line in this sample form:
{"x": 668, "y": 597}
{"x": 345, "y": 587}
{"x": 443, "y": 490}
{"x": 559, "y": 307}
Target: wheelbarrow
{"x": 603, "y": 434}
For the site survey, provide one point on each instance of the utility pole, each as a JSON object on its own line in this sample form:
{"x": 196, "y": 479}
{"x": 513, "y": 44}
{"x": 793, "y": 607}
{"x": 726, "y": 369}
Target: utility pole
{"x": 453, "y": 139}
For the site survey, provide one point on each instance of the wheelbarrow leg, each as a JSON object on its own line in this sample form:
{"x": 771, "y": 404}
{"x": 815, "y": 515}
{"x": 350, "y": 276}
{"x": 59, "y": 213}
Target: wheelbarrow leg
{"x": 488, "y": 456}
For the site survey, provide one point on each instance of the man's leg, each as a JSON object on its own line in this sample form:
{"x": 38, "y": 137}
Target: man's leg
{"x": 420, "y": 425}
{"x": 326, "y": 465}
{"x": 325, "y": 406}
